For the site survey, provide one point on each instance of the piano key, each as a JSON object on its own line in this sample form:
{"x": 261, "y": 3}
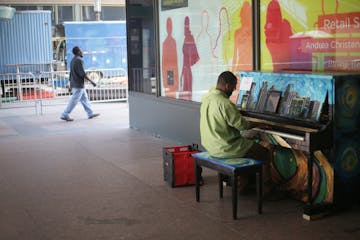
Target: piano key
{"x": 282, "y": 134}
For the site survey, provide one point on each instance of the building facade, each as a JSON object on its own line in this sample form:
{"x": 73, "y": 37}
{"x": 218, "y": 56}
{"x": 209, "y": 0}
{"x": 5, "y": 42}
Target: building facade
{"x": 65, "y": 10}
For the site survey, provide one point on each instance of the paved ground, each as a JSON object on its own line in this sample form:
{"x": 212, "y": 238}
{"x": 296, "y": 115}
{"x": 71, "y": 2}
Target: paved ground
{"x": 99, "y": 179}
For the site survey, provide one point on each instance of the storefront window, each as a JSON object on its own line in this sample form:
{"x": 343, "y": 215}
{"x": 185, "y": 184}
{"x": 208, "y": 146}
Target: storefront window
{"x": 88, "y": 13}
{"x": 108, "y": 13}
{"x": 321, "y": 36}
{"x": 198, "y": 40}
{"x": 65, "y": 13}
{"x": 112, "y": 13}
{"x": 25, "y": 8}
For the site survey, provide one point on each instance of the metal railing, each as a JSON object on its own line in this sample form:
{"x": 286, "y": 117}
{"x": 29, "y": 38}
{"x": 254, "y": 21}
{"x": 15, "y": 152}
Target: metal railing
{"x": 52, "y": 88}
{"x": 19, "y": 90}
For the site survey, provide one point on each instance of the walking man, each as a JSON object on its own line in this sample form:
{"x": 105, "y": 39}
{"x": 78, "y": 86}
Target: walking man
{"x": 77, "y": 79}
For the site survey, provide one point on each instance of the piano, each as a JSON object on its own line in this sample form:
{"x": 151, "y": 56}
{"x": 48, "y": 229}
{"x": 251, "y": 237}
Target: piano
{"x": 314, "y": 122}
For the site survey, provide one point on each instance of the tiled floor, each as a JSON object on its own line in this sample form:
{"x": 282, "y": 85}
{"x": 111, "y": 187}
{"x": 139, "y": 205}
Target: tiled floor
{"x": 99, "y": 179}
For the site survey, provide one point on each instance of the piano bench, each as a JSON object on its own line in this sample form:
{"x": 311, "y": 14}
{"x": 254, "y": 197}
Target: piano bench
{"x": 231, "y": 167}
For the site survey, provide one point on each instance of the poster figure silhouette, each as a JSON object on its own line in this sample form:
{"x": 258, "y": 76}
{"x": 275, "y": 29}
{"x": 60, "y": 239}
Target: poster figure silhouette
{"x": 170, "y": 71}
{"x": 277, "y": 34}
{"x": 190, "y": 57}
{"x": 207, "y": 61}
{"x": 223, "y": 41}
{"x": 242, "y": 57}
{"x": 204, "y": 38}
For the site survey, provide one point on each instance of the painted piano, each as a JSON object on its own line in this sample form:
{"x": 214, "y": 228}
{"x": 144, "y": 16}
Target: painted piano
{"x": 313, "y": 123}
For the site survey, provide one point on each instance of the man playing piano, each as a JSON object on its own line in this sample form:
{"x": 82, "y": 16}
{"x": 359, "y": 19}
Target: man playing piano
{"x": 222, "y": 127}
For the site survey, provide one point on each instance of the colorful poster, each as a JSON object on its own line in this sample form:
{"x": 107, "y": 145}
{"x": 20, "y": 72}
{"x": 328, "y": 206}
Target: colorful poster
{"x": 198, "y": 40}
{"x": 321, "y": 36}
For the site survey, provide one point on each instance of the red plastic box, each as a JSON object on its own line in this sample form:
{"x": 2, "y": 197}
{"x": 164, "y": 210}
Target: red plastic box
{"x": 178, "y": 165}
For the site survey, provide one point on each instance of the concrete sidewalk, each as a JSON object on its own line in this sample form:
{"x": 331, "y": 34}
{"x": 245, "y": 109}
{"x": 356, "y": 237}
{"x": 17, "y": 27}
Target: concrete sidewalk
{"x": 99, "y": 179}
{"x": 24, "y": 121}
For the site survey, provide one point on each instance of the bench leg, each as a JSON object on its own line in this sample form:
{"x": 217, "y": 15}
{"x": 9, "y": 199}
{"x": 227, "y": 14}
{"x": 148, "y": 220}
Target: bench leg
{"x": 197, "y": 181}
{"x": 234, "y": 195}
{"x": 221, "y": 189}
{"x": 259, "y": 184}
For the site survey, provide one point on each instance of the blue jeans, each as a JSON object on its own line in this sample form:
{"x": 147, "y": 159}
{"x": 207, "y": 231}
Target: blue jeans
{"x": 78, "y": 94}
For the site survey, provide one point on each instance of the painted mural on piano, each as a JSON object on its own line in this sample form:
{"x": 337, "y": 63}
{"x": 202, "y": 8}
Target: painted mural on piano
{"x": 290, "y": 173}
{"x": 290, "y": 95}
{"x": 336, "y": 170}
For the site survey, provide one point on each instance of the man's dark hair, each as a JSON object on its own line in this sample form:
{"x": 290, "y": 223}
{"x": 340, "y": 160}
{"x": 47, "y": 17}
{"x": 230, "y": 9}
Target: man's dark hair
{"x": 226, "y": 77}
{"x": 76, "y": 50}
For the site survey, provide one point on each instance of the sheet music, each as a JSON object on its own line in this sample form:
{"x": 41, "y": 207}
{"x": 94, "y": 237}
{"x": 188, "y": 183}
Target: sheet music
{"x": 245, "y": 83}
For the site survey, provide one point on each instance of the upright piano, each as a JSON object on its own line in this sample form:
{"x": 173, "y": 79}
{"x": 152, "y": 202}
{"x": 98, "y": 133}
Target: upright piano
{"x": 313, "y": 120}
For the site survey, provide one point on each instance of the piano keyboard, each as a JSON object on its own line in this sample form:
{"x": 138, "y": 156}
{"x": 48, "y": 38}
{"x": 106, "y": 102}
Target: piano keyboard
{"x": 281, "y": 134}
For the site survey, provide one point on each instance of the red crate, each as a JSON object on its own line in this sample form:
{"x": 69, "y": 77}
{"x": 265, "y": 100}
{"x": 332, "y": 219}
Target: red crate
{"x": 178, "y": 165}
